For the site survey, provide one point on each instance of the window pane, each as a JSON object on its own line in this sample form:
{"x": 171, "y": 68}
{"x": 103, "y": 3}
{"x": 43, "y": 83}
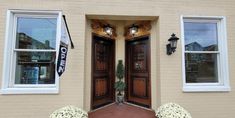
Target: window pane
{"x": 200, "y": 36}
{"x": 201, "y": 68}
{"x": 36, "y": 33}
{"x": 35, "y": 68}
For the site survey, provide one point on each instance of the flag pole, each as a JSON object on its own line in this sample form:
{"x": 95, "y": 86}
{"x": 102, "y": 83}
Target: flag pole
{"x": 71, "y": 42}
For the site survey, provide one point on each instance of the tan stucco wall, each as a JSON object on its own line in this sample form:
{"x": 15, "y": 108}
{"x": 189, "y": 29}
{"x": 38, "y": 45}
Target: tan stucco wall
{"x": 166, "y": 70}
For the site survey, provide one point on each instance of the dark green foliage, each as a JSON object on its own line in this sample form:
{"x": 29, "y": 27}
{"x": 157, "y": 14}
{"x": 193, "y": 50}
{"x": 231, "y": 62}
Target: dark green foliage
{"x": 120, "y": 85}
{"x": 120, "y": 70}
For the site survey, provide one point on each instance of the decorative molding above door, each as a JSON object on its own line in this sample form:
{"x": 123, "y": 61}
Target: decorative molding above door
{"x": 98, "y": 28}
{"x": 144, "y": 29}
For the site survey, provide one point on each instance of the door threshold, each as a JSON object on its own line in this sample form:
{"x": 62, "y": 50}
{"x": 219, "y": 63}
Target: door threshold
{"x": 101, "y": 107}
{"x": 149, "y": 109}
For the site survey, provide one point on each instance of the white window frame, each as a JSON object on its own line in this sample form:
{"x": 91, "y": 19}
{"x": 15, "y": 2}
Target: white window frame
{"x": 222, "y": 56}
{"x": 8, "y": 87}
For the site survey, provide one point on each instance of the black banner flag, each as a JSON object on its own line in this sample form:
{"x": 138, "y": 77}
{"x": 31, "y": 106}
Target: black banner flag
{"x": 63, "y": 49}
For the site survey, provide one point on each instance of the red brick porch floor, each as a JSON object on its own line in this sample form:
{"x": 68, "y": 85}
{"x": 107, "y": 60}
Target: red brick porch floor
{"x": 122, "y": 111}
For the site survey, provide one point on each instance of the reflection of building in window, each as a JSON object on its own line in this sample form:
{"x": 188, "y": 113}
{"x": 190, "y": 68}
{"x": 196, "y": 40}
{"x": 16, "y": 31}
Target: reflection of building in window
{"x": 194, "y": 46}
{"x": 201, "y": 68}
{"x": 34, "y": 67}
{"x": 30, "y": 75}
{"x": 27, "y": 42}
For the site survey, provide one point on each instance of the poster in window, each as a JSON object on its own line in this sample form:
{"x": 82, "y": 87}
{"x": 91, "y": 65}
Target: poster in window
{"x": 31, "y": 75}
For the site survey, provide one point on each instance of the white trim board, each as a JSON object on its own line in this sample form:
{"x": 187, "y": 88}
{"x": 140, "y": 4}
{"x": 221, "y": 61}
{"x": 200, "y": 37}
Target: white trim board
{"x": 223, "y": 73}
{"x": 8, "y": 62}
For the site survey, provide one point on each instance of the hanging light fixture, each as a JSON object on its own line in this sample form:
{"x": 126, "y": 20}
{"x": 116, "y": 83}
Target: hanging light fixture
{"x": 108, "y": 30}
{"x": 133, "y": 29}
{"x": 172, "y": 45}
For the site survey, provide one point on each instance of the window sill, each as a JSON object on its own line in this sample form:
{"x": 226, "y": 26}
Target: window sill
{"x": 206, "y": 89}
{"x": 29, "y": 91}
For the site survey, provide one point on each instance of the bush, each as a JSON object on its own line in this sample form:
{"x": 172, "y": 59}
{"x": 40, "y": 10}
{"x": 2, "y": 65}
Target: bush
{"x": 69, "y": 112}
{"x": 172, "y": 110}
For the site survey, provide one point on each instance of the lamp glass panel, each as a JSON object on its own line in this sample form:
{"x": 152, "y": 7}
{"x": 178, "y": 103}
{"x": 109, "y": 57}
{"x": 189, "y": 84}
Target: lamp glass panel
{"x": 109, "y": 30}
{"x": 173, "y": 43}
{"x": 133, "y": 30}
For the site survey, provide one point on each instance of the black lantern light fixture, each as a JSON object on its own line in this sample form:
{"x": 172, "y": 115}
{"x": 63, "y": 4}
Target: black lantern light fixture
{"x": 108, "y": 30}
{"x": 172, "y": 45}
{"x": 133, "y": 29}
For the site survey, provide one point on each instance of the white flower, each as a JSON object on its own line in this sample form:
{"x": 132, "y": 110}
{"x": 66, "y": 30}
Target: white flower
{"x": 172, "y": 110}
{"x": 69, "y": 112}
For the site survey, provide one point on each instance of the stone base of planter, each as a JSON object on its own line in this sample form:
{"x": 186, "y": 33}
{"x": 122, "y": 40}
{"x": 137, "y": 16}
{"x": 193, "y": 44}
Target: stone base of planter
{"x": 120, "y": 99}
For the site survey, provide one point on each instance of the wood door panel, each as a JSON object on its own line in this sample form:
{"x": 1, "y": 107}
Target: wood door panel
{"x": 102, "y": 71}
{"x": 139, "y": 58}
{"x": 101, "y": 55}
{"x": 100, "y": 87}
{"x": 138, "y": 71}
{"x": 139, "y": 87}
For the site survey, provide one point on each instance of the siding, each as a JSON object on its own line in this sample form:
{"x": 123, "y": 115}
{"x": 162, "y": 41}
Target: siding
{"x": 167, "y": 70}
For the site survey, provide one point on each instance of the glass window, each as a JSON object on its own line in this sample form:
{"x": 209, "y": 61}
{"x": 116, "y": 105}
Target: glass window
{"x": 201, "y": 36}
{"x": 205, "y": 54}
{"x": 201, "y": 66}
{"x": 30, "y": 52}
{"x": 35, "y": 68}
{"x": 35, "y": 34}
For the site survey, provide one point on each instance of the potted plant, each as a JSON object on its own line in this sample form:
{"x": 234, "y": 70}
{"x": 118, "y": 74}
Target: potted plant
{"x": 120, "y": 85}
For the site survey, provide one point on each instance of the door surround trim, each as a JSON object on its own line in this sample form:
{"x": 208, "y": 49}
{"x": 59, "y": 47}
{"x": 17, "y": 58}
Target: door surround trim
{"x": 155, "y": 56}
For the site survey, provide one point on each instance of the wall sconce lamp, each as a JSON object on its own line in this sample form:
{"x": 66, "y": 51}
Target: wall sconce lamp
{"x": 172, "y": 45}
{"x": 108, "y": 30}
{"x": 133, "y": 29}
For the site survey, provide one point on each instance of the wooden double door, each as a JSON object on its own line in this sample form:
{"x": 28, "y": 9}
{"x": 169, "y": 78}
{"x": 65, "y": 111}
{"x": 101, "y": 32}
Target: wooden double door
{"x": 137, "y": 65}
{"x": 138, "y": 72}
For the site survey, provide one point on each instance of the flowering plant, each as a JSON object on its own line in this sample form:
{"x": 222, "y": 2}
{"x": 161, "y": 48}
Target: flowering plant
{"x": 69, "y": 112}
{"x": 172, "y": 110}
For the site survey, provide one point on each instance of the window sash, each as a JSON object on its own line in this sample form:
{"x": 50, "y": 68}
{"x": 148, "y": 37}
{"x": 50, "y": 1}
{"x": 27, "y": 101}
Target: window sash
{"x": 201, "y": 20}
{"x": 13, "y": 75}
{"x": 206, "y": 52}
{"x": 33, "y": 50}
{"x": 47, "y": 15}
{"x": 34, "y": 85}
{"x": 15, "y": 50}
{"x": 220, "y": 80}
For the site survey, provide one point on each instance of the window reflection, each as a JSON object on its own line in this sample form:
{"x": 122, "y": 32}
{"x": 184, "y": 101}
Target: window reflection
{"x": 200, "y": 36}
{"x": 36, "y": 33}
{"x": 35, "y": 68}
{"x": 201, "y": 68}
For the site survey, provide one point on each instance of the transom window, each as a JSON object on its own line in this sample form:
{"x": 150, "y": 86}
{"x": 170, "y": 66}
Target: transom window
{"x": 31, "y": 52}
{"x": 204, "y": 54}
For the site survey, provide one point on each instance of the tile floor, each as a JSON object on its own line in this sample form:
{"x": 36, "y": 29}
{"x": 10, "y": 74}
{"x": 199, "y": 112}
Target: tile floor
{"x": 122, "y": 111}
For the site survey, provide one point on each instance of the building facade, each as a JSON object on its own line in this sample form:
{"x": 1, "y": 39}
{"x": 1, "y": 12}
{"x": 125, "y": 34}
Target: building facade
{"x": 198, "y": 75}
